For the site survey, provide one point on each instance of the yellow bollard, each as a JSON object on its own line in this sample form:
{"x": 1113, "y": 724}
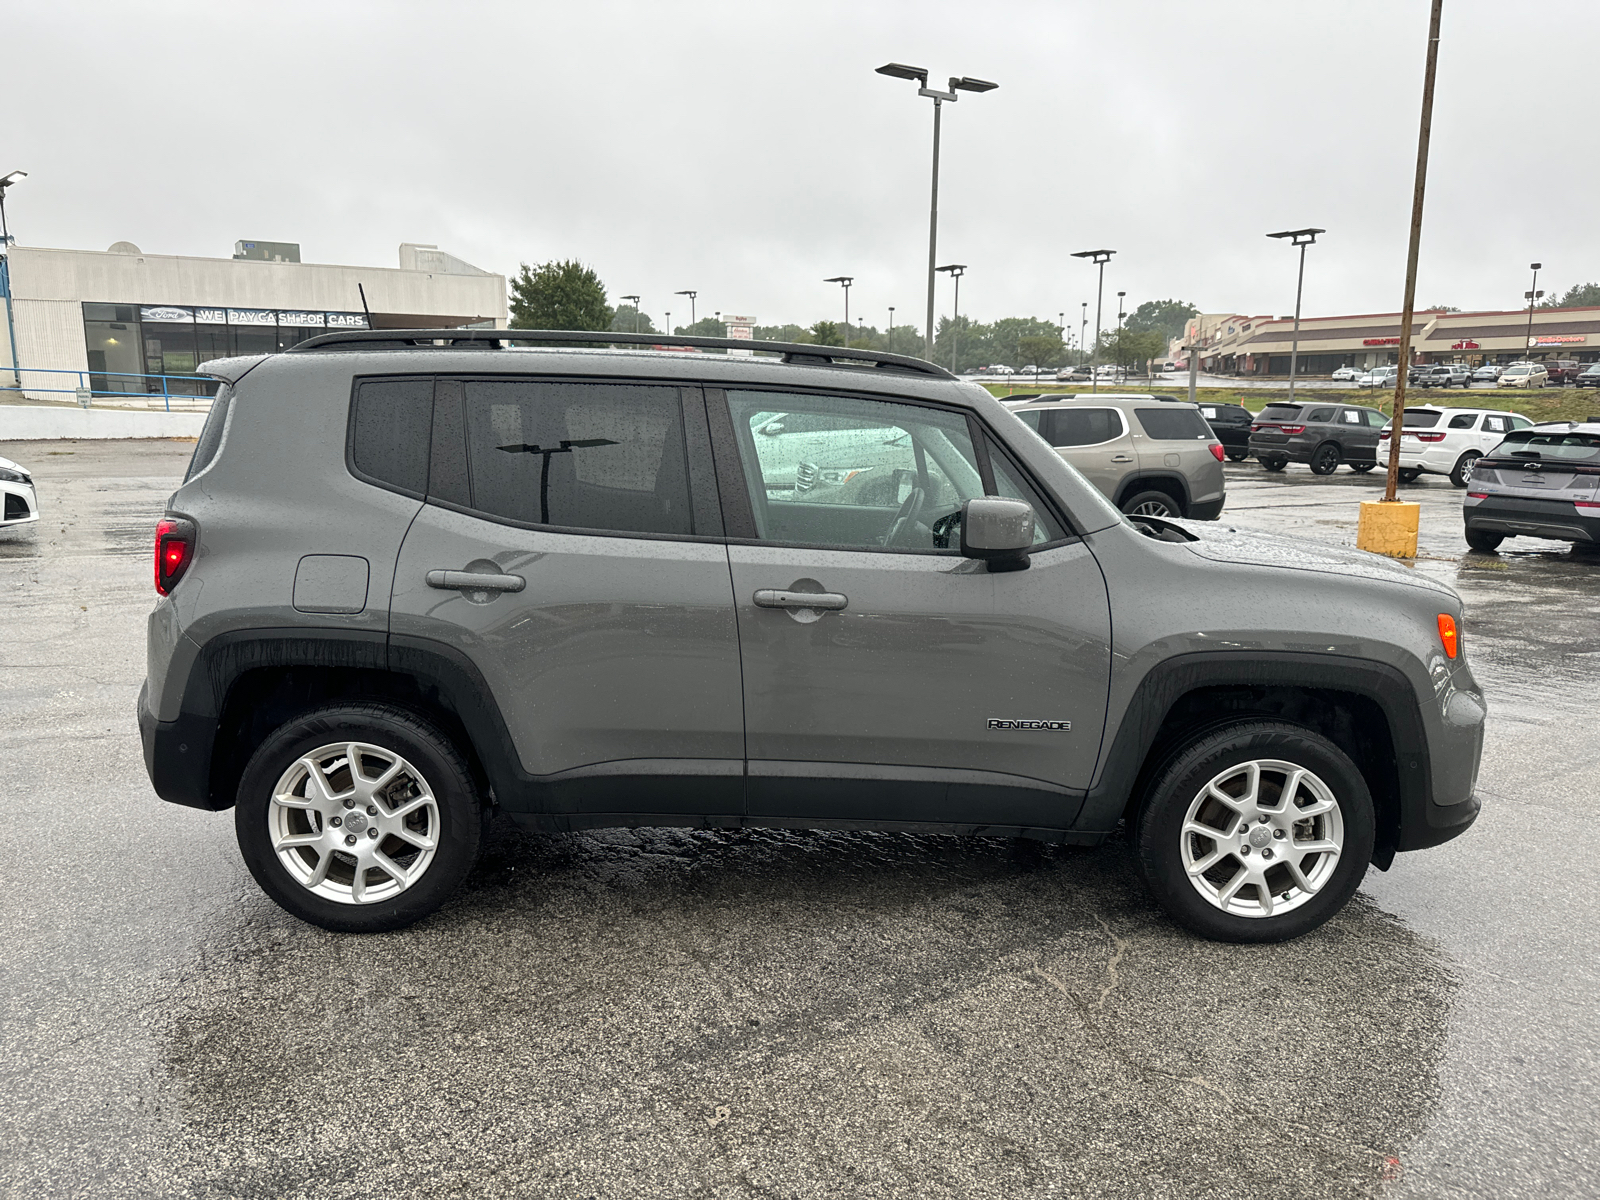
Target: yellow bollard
{"x": 1389, "y": 527}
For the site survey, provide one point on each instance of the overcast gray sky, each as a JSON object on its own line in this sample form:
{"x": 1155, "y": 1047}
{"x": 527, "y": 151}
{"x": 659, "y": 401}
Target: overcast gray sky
{"x": 748, "y": 150}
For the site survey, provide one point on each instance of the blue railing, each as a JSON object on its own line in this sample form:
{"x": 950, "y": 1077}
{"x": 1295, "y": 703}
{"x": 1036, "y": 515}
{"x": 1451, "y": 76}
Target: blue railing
{"x": 148, "y": 386}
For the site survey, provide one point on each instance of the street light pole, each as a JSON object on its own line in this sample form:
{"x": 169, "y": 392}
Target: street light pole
{"x": 691, "y": 296}
{"x": 1301, "y": 238}
{"x": 1532, "y": 297}
{"x": 955, "y": 271}
{"x": 844, "y": 281}
{"x": 635, "y": 300}
{"x": 1099, "y": 258}
{"x": 1083, "y": 329}
{"x": 963, "y": 83}
{"x": 5, "y": 275}
{"x": 888, "y": 341}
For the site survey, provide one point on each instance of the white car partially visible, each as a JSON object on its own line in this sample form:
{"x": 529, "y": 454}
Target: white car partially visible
{"x": 1347, "y": 374}
{"x": 1448, "y": 441}
{"x": 20, "y": 498}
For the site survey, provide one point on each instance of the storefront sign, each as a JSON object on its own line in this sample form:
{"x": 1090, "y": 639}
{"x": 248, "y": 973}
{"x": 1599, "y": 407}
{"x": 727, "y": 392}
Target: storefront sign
{"x": 211, "y": 316}
{"x": 290, "y": 316}
{"x": 1466, "y": 344}
{"x": 1558, "y": 339}
{"x": 730, "y": 319}
{"x": 252, "y": 316}
{"x": 166, "y": 312}
{"x": 347, "y": 321}
{"x": 1394, "y": 341}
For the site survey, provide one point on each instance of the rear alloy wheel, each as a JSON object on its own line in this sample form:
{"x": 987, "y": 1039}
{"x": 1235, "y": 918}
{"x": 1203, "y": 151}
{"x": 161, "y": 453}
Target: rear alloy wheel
{"x": 1274, "y": 464}
{"x": 1257, "y": 832}
{"x": 359, "y": 818}
{"x": 1484, "y": 543}
{"x": 1463, "y": 468}
{"x": 1410, "y": 474}
{"x": 1326, "y": 460}
{"x": 1151, "y": 504}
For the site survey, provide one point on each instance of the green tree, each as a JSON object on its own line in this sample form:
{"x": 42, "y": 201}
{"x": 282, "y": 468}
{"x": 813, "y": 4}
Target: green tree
{"x": 1579, "y": 295}
{"x": 826, "y": 333}
{"x": 559, "y": 295}
{"x": 622, "y": 320}
{"x": 704, "y": 327}
{"x": 1166, "y": 317}
{"x": 1041, "y": 349}
{"x": 1440, "y": 308}
{"x": 1129, "y": 348}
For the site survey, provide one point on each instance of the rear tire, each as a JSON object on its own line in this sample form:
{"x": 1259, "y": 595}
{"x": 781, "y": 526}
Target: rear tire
{"x": 1463, "y": 468}
{"x": 364, "y": 848}
{"x": 1254, "y": 879}
{"x": 1274, "y": 464}
{"x": 1362, "y": 468}
{"x": 1410, "y": 474}
{"x": 1484, "y": 543}
{"x": 1326, "y": 459}
{"x": 1238, "y": 455}
{"x": 1151, "y": 504}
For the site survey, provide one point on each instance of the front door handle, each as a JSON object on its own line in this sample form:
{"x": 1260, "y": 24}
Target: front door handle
{"x": 780, "y": 598}
{"x": 475, "y": 581}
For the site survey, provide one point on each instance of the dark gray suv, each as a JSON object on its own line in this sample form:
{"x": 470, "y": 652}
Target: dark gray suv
{"x": 1320, "y": 435}
{"x": 413, "y": 579}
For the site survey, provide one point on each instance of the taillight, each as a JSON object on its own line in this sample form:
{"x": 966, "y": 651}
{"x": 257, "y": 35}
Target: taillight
{"x": 1384, "y": 436}
{"x": 1447, "y": 634}
{"x": 1253, "y": 428}
{"x": 1477, "y": 495}
{"x": 1430, "y": 437}
{"x": 175, "y": 540}
{"x": 1291, "y": 428}
{"x": 1217, "y": 451}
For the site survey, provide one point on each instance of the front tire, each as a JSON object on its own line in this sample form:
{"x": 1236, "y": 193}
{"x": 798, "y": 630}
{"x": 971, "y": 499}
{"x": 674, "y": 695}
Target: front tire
{"x": 359, "y": 818}
{"x": 1256, "y": 832}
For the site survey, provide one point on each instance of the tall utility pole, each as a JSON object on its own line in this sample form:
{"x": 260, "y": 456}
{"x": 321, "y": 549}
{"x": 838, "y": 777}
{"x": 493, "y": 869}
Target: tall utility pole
{"x": 1424, "y": 131}
{"x": 635, "y": 300}
{"x": 1532, "y": 297}
{"x": 888, "y": 340}
{"x": 1301, "y": 238}
{"x": 1083, "y": 329}
{"x": 1099, "y": 258}
{"x": 956, "y": 271}
{"x": 963, "y": 83}
{"x": 5, "y": 275}
{"x": 691, "y": 296}
{"x": 844, "y": 281}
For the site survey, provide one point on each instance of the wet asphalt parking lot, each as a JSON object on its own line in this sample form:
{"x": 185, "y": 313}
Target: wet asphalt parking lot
{"x": 678, "y": 1013}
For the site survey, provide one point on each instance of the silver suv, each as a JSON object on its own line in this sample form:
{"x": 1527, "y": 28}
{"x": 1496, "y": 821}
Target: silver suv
{"x": 414, "y": 579}
{"x": 1147, "y": 455}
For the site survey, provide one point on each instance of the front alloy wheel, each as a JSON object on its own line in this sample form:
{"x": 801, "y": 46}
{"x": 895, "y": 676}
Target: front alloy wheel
{"x": 1256, "y": 832}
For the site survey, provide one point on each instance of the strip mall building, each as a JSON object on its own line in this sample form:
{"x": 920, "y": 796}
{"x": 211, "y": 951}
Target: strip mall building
{"x": 1234, "y": 344}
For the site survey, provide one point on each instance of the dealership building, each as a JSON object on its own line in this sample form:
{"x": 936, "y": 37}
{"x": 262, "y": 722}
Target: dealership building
{"x": 1234, "y": 344}
{"x": 121, "y": 321}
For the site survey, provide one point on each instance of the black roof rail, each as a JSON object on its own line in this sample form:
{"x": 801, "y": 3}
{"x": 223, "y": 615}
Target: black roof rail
{"x": 800, "y": 354}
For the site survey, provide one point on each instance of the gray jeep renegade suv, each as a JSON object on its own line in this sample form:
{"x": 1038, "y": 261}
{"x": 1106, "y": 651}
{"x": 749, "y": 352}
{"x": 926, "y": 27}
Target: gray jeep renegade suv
{"x": 412, "y": 578}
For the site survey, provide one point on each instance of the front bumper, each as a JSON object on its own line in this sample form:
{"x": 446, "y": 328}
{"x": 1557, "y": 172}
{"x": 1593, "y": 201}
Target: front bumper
{"x": 19, "y": 504}
{"x": 1559, "y": 520}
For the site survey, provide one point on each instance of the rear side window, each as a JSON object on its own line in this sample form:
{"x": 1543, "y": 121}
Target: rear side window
{"x": 211, "y": 433}
{"x": 1082, "y": 426}
{"x": 1466, "y": 421}
{"x": 1280, "y": 412}
{"x": 390, "y": 429}
{"x": 1173, "y": 424}
{"x": 598, "y": 456}
{"x": 1320, "y": 414}
{"x": 1420, "y": 418}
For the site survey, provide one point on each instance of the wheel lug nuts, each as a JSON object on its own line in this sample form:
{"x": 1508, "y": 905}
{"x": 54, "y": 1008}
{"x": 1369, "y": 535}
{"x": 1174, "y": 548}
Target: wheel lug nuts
{"x": 372, "y": 833}
{"x": 349, "y": 839}
{"x": 1263, "y": 820}
{"x": 372, "y": 810}
{"x": 1277, "y": 833}
{"x": 1267, "y": 853}
{"x": 1244, "y": 849}
{"x": 349, "y": 803}
{"x": 336, "y": 821}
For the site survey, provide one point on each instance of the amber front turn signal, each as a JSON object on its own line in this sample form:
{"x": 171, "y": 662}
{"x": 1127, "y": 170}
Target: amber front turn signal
{"x": 1447, "y": 634}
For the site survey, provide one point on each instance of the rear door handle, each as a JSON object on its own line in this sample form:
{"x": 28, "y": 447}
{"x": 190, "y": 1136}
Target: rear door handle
{"x": 779, "y": 598}
{"x": 1122, "y": 458}
{"x": 475, "y": 581}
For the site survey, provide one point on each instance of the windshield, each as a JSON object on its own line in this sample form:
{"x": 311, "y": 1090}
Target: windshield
{"x": 1550, "y": 444}
{"x": 1517, "y": 371}
{"x": 1420, "y": 419}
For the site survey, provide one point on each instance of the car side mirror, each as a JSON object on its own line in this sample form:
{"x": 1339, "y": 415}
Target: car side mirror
{"x": 997, "y": 530}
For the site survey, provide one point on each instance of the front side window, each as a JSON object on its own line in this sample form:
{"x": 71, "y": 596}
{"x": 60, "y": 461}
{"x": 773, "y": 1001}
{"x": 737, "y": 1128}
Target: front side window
{"x": 1350, "y": 416}
{"x": 599, "y": 456}
{"x": 1375, "y": 419}
{"x": 848, "y": 473}
{"x": 1493, "y": 425}
{"x": 1082, "y": 426}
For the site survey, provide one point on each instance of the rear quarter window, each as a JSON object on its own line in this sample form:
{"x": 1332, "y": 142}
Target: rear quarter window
{"x": 1173, "y": 424}
{"x": 391, "y": 427}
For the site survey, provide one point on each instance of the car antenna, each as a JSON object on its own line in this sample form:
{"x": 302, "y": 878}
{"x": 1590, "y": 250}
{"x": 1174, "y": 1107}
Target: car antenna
{"x": 364, "y": 307}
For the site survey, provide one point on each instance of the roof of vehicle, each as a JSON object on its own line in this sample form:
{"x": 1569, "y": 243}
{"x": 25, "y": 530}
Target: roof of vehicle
{"x": 1017, "y": 402}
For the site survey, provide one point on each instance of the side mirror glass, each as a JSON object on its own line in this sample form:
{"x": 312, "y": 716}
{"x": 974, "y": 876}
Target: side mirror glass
{"x": 997, "y": 530}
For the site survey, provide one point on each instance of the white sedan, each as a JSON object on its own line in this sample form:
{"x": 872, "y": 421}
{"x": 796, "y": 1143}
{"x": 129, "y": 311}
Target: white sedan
{"x": 21, "y": 500}
{"x": 1347, "y": 374}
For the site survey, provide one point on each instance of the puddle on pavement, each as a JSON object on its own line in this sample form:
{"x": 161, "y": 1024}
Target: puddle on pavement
{"x": 890, "y": 1012}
